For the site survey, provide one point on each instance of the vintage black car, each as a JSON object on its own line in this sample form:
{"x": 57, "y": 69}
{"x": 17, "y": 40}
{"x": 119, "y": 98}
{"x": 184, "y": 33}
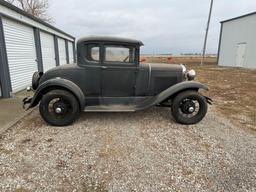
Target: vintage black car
{"x": 109, "y": 77}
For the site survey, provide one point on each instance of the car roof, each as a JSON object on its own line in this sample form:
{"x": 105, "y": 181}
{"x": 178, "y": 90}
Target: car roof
{"x": 109, "y": 39}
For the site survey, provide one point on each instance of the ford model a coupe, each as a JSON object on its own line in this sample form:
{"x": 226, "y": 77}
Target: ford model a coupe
{"x": 108, "y": 76}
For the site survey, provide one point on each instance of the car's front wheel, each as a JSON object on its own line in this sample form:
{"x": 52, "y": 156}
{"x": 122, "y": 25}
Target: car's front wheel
{"x": 59, "y": 108}
{"x": 189, "y": 107}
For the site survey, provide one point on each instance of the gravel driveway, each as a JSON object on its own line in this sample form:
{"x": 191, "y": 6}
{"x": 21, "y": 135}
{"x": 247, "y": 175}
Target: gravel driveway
{"x": 142, "y": 151}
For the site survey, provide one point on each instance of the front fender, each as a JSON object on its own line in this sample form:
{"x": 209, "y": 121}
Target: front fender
{"x": 170, "y": 92}
{"x": 185, "y": 85}
{"x": 55, "y": 84}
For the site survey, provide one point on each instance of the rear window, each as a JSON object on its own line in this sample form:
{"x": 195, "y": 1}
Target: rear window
{"x": 93, "y": 53}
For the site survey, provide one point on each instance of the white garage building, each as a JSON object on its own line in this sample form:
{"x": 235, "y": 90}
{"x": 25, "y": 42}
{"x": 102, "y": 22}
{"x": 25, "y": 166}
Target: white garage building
{"x": 27, "y": 44}
{"x": 238, "y": 42}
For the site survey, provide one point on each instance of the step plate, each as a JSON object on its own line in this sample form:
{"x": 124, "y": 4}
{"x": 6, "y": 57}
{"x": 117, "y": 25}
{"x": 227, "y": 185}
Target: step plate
{"x": 110, "y": 108}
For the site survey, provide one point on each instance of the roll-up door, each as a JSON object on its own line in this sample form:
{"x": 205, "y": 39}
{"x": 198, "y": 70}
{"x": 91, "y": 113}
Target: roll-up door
{"x": 70, "y": 52}
{"x": 62, "y": 51}
{"x": 48, "y": 52}
{"x": 0, "y": 90}
{"x": 21, "y": 53}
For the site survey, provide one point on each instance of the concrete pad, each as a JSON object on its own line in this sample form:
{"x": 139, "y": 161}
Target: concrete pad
{"x": 11, "y": 109}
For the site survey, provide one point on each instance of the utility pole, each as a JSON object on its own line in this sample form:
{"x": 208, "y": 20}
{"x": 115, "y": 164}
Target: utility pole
{"x": 206, "y": 33}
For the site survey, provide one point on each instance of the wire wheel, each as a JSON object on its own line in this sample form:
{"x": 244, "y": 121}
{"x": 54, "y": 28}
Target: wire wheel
{"x": 59, "y": 108}
{"x": 189, "y": 107}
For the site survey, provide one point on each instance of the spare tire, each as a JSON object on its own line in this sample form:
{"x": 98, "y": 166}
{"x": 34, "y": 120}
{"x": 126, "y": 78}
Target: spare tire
{"x": 35, "y": 79}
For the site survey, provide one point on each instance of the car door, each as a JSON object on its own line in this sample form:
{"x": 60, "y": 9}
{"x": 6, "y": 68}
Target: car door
{"x": 118, "y": 71}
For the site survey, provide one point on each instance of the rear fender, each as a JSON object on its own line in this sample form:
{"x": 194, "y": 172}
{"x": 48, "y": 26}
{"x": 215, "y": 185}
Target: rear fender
{"x": 56, "y": 83}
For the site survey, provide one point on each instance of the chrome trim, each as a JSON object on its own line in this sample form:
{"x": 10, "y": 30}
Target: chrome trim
{"x": 29, "y": 89}
{"x": 58, "y": 110}
{"x": 183, "y": 68}
{"x": 191, "y": 109}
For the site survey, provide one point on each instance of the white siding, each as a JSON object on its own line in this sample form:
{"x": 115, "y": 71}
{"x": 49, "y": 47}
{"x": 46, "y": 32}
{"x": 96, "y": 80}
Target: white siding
{"x": 70, "y": 52}
{"x": 21, "y": 53}
{"x": 48, "y": 52}
{"x": 234, "y": 33}
{"x": 62, "y": 51}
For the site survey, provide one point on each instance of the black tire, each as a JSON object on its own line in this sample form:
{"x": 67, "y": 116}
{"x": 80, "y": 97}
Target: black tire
{"x": 178, "y": 104}
{"x": 61, "y": 99}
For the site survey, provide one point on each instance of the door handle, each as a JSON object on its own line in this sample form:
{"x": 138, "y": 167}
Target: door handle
{"x": 103, "y": 67}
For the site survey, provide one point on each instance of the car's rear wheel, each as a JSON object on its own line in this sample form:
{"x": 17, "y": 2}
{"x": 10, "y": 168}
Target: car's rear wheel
{"x": 59, "y": 108}
{"x": 189, "y": 107}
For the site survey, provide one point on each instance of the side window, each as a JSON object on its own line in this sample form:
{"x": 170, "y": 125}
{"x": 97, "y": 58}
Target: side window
{"x": 119, "y": 54}
{"x": 92, "y": 52}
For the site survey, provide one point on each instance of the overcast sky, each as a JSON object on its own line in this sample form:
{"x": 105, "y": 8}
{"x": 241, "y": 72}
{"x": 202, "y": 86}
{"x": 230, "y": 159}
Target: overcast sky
{"x": 165, "y": 26}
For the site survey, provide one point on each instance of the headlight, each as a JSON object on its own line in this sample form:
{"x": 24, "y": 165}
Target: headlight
{"x": 183, "y": 69}
{"x": 191, "y": 74}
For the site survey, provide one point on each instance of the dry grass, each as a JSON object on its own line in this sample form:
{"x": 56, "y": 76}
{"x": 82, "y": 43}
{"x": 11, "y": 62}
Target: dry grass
{"x": 232, "y": 89}
{"x": 188, "y": 60}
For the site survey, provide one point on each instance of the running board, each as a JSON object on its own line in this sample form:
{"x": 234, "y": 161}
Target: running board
{"x": 110, "y": 108}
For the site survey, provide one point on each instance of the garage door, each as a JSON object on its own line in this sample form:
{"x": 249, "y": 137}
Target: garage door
{"x": 0, "y": 90}
{"x": 21, "y": 53}
{"x": 48, "y": 52}
{"x": 70, "y": 52}
{"x": 62, "y": 51}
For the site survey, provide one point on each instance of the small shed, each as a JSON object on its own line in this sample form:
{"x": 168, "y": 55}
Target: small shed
{"x": 237, "y": 42}
{"x": 28, "y": 44}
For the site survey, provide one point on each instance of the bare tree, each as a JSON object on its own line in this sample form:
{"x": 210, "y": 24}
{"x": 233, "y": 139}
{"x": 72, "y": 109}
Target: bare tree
{"x": 37, "y": 8}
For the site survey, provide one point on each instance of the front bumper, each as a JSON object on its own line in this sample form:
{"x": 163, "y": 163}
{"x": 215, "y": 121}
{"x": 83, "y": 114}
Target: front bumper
{"x": 208, "y": 100}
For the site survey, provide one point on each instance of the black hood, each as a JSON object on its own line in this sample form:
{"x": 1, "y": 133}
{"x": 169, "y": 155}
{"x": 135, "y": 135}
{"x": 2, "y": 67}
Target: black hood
{"x": 162, "y": 76}
{"x": 165, "y": 67}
